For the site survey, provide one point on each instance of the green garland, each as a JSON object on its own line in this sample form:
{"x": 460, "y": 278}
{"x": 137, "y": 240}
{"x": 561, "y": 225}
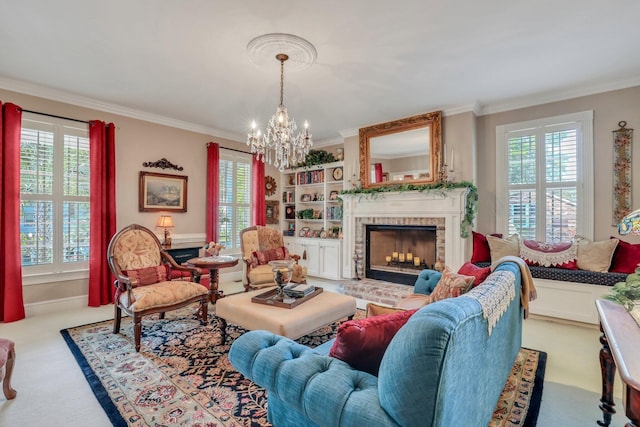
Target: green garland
{"x": 626, "y": 293}
{"x": 471, "y": 207}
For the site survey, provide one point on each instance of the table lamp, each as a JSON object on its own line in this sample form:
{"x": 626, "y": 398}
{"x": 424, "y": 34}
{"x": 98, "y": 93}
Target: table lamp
{"x": 165, "y": 222}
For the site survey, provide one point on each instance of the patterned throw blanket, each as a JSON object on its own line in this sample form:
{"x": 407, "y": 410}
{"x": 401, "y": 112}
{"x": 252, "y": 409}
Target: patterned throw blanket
{"x": 494, "y": 302}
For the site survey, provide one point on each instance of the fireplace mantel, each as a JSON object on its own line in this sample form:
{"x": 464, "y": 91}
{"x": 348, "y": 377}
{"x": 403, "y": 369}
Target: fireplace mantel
{"x": 444, "y": 208}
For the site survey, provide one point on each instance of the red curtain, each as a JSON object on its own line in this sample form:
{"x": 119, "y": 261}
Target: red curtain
{"x": 12, "y": 307}
{"x": 103, "y": 210}
{"x": 213, "y": 191}
{"x": 259, "y": 204}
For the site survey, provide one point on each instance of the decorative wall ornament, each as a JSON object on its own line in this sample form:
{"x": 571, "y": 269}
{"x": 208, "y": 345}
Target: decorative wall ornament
{"x": 622, "y": 144}
{"x": 269, "y": 185}
{"x": 162, "y": 163}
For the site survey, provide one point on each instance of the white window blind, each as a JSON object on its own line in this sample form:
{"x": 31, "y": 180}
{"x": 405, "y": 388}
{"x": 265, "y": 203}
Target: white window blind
{"x": 54, "y": 195}
{"x": 544, "y": 178}
{"x": 235, "y": 197}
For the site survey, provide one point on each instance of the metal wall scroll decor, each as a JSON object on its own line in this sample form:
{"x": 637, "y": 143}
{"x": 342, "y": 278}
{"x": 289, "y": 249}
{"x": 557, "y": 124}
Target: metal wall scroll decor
{"x": 622, "y": 144}
{"x": 162, "y": 163}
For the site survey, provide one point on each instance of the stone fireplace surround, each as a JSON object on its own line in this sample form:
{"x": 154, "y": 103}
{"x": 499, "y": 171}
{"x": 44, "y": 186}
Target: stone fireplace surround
{"x": 443, "y": 209}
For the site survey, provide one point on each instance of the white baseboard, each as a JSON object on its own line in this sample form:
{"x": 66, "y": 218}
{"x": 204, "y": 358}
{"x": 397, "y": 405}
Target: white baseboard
{"x": 52, "y": 306}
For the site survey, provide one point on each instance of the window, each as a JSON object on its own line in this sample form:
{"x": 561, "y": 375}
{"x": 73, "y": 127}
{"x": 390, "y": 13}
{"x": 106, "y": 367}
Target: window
{"x": 235, "y": 197}
{"x": 544, "y": 178}
{"x": 54, "y": 196}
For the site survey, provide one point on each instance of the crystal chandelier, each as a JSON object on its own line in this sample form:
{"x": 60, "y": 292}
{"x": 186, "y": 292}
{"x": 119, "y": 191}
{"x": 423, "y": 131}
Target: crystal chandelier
{"x": 280, "y": 145}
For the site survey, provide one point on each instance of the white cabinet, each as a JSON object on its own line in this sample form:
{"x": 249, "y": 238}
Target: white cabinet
{"x": 320, "y": 256}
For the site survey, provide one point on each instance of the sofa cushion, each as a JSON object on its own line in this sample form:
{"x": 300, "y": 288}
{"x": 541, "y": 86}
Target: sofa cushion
{"x": 560, "y": 254}
{"x": 596, "y": 256}
{"x": 426, "y": 282}
{"x": 625, "y": 258}
{"x": 481, "y": 251}
{"x": 479, "y": 273}
{"x": 451, "y": 285}
{"x": 147, "y": 276}
{"x": 275, "y": 254}
{"x": 503, "y": 246}
{"x": 374, "y": 309}
{"x": 362, "y": 343}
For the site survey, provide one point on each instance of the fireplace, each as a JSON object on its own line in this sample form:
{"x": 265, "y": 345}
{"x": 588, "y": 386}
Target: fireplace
{"x": 439, "y": 211}
{"x": 397, "y": 253}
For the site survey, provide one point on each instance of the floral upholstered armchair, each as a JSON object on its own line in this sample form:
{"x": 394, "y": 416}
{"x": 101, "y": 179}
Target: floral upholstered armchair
{"x": 143, "y": 279}
{"x": 260, "y": 245}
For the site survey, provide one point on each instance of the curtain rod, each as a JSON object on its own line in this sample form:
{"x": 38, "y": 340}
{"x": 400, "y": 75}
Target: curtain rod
{"x": 55, "y": 116}
{"x": 233, "y": 149}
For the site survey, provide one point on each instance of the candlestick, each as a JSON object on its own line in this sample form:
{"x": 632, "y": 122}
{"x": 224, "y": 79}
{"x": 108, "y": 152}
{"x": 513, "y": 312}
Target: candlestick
{"x": 416, "y": 261}
{"x": 401, "y": 257}
{"x": 451, "y": 160}
{"x": 395, "y": 255}
{"x": 409, "y": 256}
{"x": 388, "y": 258}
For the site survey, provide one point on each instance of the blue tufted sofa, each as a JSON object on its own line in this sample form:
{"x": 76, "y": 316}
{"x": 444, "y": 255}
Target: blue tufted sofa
{"x": 442, "y": 368}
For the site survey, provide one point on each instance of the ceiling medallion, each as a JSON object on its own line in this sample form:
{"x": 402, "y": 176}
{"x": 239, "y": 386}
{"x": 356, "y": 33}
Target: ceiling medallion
{"x": 264, "y": 48}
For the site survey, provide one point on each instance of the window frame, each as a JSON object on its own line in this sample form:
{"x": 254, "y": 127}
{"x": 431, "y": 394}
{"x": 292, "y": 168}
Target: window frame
{"x": 584, "y": 174}
{"x": 58, "y": 270}
{"x": 245, "y": 158}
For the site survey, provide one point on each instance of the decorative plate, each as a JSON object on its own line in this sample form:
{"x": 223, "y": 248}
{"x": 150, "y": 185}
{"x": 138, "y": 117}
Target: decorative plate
{"x": 269, "y": 185}
{"x": 337, "y": 173}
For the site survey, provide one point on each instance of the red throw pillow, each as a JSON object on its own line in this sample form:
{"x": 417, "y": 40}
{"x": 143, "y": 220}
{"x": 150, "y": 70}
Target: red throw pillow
{"x": 625, "y": 258}
{"x": 147, "y": 276}
{"x": 275, "y": 254}
{"x": 481, "y": 252}
{"x": 362, "y": 343}
{"x": 480, "y": 273}
{"x": 559, "y": 255}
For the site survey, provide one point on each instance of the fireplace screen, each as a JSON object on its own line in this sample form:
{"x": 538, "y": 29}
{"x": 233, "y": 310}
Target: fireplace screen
{"x": 397, "y": 253}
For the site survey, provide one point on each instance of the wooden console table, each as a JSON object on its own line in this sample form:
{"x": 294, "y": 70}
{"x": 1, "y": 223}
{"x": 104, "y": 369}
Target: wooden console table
{"x": 620, "y": 341}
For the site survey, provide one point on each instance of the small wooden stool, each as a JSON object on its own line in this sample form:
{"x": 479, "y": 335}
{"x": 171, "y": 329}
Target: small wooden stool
{"x": 7, "y": 358}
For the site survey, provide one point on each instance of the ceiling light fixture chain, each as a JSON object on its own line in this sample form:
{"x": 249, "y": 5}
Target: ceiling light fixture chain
{"x": 280, "y": 145}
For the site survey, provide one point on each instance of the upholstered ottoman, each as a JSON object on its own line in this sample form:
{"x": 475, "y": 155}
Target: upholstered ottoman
{"x": 7, "y": 358}
{"x": 307, "y": 317}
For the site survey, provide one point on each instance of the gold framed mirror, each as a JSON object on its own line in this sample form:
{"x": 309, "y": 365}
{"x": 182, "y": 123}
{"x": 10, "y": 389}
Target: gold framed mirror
{"x": 401, "y": 151}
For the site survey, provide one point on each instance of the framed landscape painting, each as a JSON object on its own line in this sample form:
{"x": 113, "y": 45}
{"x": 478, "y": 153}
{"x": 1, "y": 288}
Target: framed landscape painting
{"x": 162, "y": 192}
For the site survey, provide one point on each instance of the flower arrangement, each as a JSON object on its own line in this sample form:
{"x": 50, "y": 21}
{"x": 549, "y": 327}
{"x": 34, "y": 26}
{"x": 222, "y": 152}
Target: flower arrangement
{"x": 213, "y": 248}
{"x": 627, "y": 293}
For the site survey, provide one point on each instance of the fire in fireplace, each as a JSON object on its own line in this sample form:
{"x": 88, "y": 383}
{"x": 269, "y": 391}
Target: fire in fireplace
{"x": 397, "y": 253}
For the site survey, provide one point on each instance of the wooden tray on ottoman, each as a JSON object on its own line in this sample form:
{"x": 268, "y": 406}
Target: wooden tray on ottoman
{"x": 265, "y": 298}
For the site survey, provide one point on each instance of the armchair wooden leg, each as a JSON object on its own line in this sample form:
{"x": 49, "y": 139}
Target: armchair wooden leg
{"x": 137, "y": 330}
{"x": 117, "y": 317}
{"x": 9, "y": 392}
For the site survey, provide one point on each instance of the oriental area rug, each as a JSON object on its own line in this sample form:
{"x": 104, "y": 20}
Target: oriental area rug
{"x": 182, "y": 375}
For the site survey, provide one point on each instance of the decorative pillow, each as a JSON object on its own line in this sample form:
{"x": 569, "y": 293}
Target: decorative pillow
{"x": 500, "y": 247}
{"x": 481, "y": 252}
{"x": 275, "y": 254}
{"x": 147, "y": 276}
{"x": 451, "y": 285}
{"x": 374, "y": 309}
{"x": 559, "y": 255}
{"x": 625, "y": 258}
{"x": 479, "y": 273}
{"x": 596, "y": 256}
{"x": 362, "y": 343}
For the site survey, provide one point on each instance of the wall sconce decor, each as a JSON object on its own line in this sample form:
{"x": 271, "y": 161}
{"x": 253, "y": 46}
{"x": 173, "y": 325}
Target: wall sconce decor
{"x": 166, "y": 222}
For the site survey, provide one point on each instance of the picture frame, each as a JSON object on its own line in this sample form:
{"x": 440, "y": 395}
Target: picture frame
{"x": 385, "y": 176}
{"x": 305, "y": 198}
{"x": 333, "y": 195}
{"x": 162, "y": 192}
{"x": 273, "y": 211}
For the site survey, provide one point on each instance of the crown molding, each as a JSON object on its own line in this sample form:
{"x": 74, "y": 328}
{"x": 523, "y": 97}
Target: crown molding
{"x": 555, "y": 96}
{"x": 94, "y": 104}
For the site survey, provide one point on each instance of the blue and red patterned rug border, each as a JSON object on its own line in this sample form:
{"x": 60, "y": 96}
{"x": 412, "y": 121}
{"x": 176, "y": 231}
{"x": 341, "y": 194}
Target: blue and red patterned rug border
{"x": 94, "y": 383}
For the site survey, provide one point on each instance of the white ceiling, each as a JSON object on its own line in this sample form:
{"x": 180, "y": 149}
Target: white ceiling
{"x": 377, "y": 59}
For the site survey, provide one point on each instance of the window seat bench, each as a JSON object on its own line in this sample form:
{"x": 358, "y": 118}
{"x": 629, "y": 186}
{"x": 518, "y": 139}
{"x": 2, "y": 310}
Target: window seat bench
{"x": 569, "y": 294}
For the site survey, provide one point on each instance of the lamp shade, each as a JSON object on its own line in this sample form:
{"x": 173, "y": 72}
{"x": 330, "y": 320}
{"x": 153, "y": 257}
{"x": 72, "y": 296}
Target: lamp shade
{"x": 165, "y": 221}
